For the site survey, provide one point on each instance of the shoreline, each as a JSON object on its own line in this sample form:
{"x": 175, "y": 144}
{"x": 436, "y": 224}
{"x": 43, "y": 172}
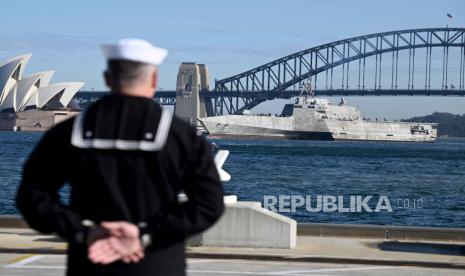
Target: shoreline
{"x": 346, "y": 230}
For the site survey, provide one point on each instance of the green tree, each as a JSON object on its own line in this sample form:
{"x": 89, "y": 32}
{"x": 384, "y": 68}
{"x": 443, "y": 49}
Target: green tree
{"x": 449, "y": 124}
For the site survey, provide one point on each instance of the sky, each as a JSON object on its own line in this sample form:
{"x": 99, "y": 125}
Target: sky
{"x": 229, "y": 36}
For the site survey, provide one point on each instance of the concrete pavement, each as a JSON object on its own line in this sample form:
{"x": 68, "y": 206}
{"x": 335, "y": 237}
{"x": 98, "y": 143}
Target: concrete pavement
{"x": 53, "y": 265}
{"x": 309, "y": 249}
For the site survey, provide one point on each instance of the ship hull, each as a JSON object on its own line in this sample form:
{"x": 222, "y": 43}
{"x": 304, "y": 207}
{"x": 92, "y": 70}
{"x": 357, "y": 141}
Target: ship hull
{"x": 291, "y": 135}
{"x": 267, "y": 127}
{"x": 230, "y": 130}
{"x": 379, "y": 131}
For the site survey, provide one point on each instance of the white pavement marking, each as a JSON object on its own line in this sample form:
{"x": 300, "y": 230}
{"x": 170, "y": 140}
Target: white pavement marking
{"x": 41, "y": 266}
{"x": 23, "y": 264}
{"x": 269, "y": 262}
{"x": 24, "y": 261}
{"x": 199, "y": 261}
{"x": 291, "y": 272}
{"x": 216, "y": 272}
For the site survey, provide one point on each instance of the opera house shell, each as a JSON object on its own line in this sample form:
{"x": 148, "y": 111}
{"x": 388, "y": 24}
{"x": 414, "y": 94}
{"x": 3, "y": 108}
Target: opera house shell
{"x": 31, "y": 103}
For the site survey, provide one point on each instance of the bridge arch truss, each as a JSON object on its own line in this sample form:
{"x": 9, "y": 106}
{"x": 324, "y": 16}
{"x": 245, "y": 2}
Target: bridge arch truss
{"x": 276, "y": 77}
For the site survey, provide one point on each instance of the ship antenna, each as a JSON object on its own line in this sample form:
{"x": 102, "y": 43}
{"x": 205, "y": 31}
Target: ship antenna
{"x": 307, "y": 89}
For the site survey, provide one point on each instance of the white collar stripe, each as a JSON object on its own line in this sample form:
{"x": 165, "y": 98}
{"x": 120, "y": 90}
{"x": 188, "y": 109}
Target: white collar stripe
{"x": 164, "y": 124}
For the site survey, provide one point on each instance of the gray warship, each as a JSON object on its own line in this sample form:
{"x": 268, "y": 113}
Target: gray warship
{"x": 314, "y": 118}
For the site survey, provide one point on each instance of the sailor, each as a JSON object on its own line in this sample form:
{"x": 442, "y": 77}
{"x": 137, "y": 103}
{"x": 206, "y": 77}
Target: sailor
{"x": 142, "y": 181}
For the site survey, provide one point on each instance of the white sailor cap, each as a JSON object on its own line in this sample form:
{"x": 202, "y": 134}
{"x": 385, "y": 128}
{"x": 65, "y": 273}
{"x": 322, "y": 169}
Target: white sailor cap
{"x": 135, "y": 50}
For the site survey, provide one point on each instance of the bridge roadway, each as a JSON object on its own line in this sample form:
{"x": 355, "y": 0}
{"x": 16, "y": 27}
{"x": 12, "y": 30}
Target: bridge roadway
{"x": 168, "y": 97}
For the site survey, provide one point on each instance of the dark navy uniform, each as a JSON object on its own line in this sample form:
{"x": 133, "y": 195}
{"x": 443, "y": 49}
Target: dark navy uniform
{"x": 125, "y": 158}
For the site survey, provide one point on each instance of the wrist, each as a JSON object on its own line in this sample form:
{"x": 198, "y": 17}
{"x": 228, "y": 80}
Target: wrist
{"x": 82, "y": 235}
{"x": 144, "y": 234}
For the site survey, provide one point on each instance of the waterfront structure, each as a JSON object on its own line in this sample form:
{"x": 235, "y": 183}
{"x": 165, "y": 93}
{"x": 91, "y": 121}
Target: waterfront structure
{"x": 31, "y": 102}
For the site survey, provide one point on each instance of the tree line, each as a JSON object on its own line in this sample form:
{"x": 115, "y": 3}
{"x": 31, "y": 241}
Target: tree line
{"x": 452, "y": 125}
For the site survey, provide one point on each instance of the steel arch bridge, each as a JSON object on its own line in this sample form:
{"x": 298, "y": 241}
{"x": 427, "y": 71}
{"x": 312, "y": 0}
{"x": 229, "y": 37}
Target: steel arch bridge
{"x": 369, "y": 65}
{"x": 282, "y": 77}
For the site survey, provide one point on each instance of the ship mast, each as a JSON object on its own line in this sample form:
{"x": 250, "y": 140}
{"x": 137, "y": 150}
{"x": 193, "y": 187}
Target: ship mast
{"x": 306, "y": 88}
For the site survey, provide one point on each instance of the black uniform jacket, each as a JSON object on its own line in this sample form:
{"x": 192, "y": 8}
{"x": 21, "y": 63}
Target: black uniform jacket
{"x": 125, "y": 158}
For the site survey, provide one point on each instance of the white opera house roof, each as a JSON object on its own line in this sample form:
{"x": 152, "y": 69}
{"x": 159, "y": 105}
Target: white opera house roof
{"x": 18, "y": 93}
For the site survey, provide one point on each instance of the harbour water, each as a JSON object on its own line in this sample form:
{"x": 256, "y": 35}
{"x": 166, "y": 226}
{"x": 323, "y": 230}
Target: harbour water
{"x": 424, "y": 183}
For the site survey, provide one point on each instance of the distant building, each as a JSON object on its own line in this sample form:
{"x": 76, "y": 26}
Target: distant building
{"x": 31, "y": 103}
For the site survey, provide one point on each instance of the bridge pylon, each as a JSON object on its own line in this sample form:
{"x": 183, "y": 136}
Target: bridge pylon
{"x": 192, "y": 78}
